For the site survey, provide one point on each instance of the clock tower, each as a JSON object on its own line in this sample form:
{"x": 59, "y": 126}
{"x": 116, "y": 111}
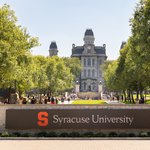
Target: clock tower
{"x": 91, "y": 57}
{"x": 88, "y": 42}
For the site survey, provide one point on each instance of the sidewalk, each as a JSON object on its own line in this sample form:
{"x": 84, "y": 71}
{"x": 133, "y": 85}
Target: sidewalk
{"x": 66, "y": 102}
{"x": 113, "y": 102}
{"x": 75, "y": 145}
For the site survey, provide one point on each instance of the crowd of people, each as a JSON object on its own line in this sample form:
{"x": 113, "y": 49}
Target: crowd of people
{"x": 47, "y": 99}
{"x": 44, "y": 100}
{"x": 39, "y": 99}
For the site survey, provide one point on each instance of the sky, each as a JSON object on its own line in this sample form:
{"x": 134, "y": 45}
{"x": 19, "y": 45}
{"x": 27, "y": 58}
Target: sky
{"x": 65, "y": 22}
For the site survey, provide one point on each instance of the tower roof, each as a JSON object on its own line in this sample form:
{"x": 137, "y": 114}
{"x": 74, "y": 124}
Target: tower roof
{"x": 123, "y": 44}
{"x": 53, "y": 45}
{"x": 89, "y": 32}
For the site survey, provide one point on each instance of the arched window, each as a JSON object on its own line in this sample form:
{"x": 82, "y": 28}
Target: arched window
{"x": 84, "y": 73}
{"x": 100, "y": 62}
{"x": 93, "y": 73}
{"x": 89, "y": 62}
{"x": 84, "y": 61}
{"x": 84, "y": 85}
{"x": 93, "y": 62}
{"x": 89, "y": 73}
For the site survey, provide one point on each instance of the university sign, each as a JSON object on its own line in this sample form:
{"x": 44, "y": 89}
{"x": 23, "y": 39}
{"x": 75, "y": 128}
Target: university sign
{"x": 113, "y": 119}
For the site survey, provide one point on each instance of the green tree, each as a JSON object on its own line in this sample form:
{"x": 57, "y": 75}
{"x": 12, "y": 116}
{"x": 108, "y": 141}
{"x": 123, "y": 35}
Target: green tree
{"x": 15, "y": 45}
{"x": 74, "y": 64}
{"x": 59, "y": 75}
{"x": 131, "y": 71}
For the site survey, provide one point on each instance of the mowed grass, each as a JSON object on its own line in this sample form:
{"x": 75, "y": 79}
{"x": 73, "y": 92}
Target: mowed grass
{"x": 88, "y": 102}
{"x": 147, "y": 101}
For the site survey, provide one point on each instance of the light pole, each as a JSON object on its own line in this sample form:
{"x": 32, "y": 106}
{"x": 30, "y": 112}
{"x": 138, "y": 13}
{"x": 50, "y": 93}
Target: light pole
{"x": 77, "y": 87}
{"x": 100, "y": 89}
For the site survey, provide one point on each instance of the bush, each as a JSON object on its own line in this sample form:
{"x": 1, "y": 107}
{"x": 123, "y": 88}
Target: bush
{"x": 143, "y": 134}
{"x": 113, "y": 134}
{"x": 123, "y": 134}
{"x": 5, "y": 134}
{"x": 148, "y": 134}
{"x": 26, "y": 135}
{"x": 100, "y": 134}
{"x": 52, "y": 134}
{"x": 16, "y": 134}
{"x": 41, "y": 134}
{"x": 131, "y": 135}
{"x": 64, "y": 134}
{"x": 74, "y": 134}
{"x": 88, "y": 134}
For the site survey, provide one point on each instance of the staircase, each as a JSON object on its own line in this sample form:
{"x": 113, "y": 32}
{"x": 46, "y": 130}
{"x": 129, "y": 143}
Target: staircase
{"x": 88, "y": 95}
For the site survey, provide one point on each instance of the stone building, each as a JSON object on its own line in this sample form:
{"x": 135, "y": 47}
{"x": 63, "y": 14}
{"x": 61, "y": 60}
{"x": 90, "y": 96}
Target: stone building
{"x": 91, "y": 57}
{"x": 53, "y": 51}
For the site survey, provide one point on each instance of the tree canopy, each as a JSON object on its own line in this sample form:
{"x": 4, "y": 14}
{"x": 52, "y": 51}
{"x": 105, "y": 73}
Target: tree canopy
{"x": 22, "y": 71}
{"x": 131, "y": 71}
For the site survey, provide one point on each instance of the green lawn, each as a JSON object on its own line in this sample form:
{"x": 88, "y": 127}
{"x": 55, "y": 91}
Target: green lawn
{"x": 89, "y": 102}
{"x": 147, "y": 101}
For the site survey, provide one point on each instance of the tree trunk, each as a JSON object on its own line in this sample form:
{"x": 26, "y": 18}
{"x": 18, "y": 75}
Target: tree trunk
{"x": 145, "y": 94}
{"x": 125, "y": 98}
{"x": 137, "y": 95}
{"x": 129, "y": 95}
{"x": 9, "y": 95}
{"x": 132, "y": 97}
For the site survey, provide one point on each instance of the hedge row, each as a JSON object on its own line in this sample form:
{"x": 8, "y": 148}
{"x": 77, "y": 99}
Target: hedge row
{"x": 75, "y": 134}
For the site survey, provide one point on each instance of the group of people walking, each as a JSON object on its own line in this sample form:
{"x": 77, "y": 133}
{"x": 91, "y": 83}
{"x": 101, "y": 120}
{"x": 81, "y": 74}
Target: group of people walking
{"x": 44, "y": 100}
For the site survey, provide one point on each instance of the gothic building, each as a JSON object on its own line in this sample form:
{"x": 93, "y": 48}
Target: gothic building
{"x": 53, "y": 51}
{"x": 91, "y": 57}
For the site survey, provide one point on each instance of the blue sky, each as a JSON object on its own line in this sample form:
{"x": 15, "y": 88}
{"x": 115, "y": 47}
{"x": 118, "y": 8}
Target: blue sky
{"x": 65, "y": 22}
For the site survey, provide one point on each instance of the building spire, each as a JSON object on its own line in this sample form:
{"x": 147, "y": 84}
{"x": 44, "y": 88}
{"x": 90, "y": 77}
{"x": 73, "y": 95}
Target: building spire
{"x": 89, "y": 37}
{"x": 53, "y": 51}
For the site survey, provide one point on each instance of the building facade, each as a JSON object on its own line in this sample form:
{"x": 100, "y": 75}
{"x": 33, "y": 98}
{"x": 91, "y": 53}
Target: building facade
{"x": 91, "y": 57}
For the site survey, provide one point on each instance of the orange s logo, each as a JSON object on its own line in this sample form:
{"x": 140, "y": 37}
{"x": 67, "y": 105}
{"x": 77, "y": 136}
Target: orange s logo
{"x": 42, "y": 119}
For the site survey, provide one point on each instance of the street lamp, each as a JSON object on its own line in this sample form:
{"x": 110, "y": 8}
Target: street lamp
{"x": 77, "y": 87}
{"x": 100, "y": 89}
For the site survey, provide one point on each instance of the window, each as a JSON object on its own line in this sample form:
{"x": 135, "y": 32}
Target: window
{"x": 100, "y": 61}
{"x": 89, "y": 62}
{"x": 93, "y": 62}
{"x": 84, "y": 86}
{"x": 84, "y": 62}
{"x": 93, "y": 73}
{"x": 88, "y": 51}
{"x": 84, "y": 73}
{"x": 89, "y": 73}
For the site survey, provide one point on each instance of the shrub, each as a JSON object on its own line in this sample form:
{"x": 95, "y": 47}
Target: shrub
{"x": 88, "y": 134}
{"x": 52, "y": 134}
{"x": 26, "y": 135}
{"x": 16, "y": 134}
{"x": 148, "y": 134}
{"x": 113, "y": 134}
{"x": 64, "y": 134}
{"x": 143, "y": 134}
{"x": 100, "y": 134}
{"x": 41, "y": 134}
{"x": 123, "y": 134}
{"x": 5, "y": 134}
{"x": 74, "y": 134}
{"x": 131, "y": 135}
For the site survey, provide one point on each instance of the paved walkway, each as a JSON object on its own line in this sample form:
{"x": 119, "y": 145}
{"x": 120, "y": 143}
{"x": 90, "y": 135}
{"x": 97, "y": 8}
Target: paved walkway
{"x": 74, "y": 145}
{"x": 113, "y": 102}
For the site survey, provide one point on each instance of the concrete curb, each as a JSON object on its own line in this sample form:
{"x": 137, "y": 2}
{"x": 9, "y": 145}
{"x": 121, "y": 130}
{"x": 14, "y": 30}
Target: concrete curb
{"x": 68, "y": 138}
